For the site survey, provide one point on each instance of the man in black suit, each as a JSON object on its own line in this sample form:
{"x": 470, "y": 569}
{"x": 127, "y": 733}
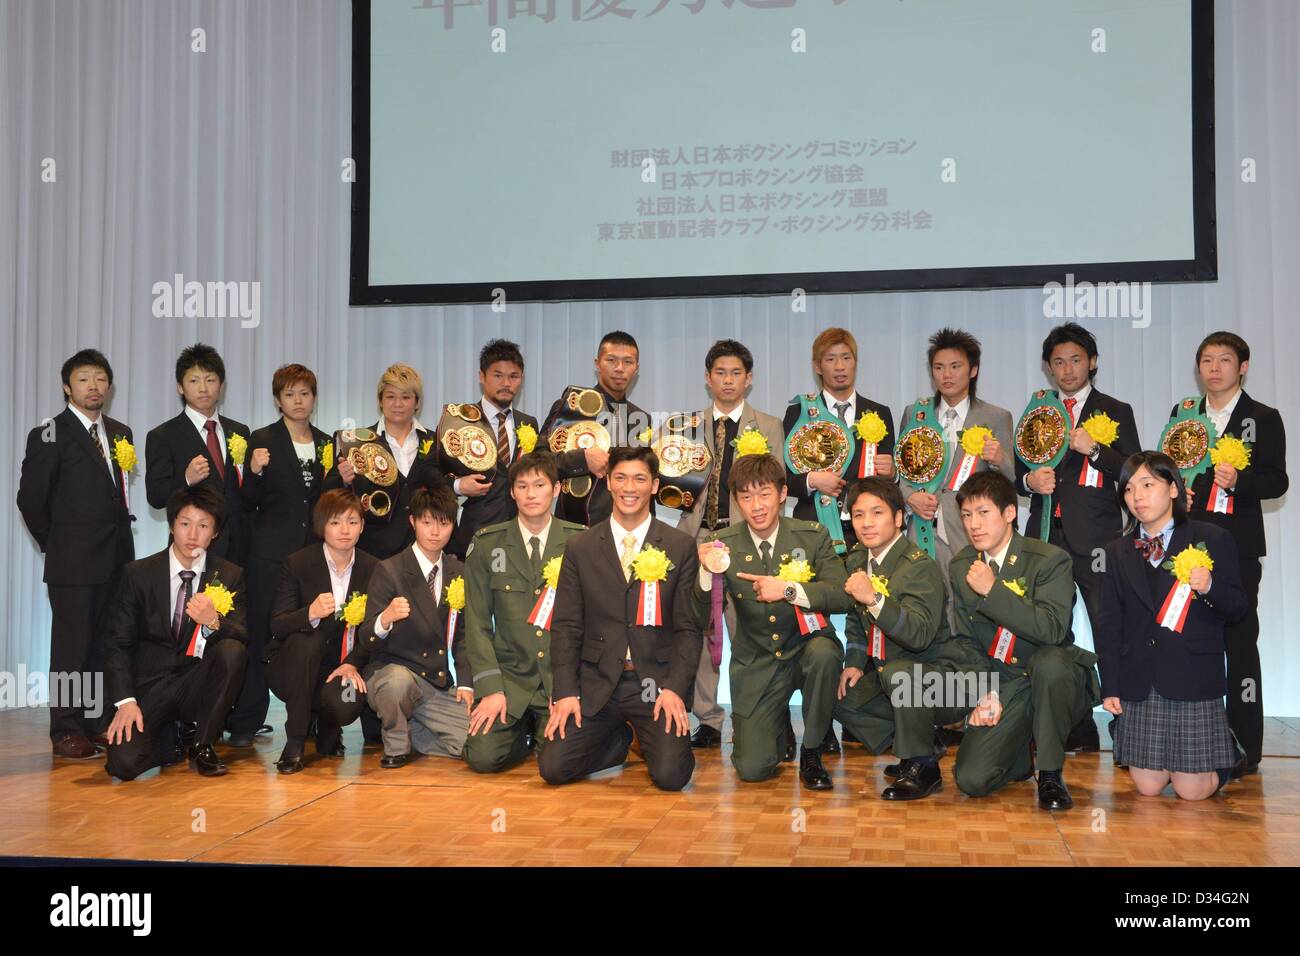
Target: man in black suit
{"x": 413, "y": 632}
{"x": 620, "y": 652}
{"x": 500, "y": 376}
{"x": 835, "y": 365}
{"x": 315, "y": 655}
{"x": 172, "y": 651}
{"x": 1221, "y": 362}
{"x": 617, "y": 361}
{"x": 1085, "y": 511}
{"x": 195, "y": 448}
{"x": 73, "y": 497}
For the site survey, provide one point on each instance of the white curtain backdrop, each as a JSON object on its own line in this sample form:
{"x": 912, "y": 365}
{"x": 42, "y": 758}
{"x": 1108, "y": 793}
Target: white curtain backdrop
{"x": 225, "y": 165}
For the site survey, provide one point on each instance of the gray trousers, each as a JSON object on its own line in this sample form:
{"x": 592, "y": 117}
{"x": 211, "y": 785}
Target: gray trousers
{"x": 415, "y": 714}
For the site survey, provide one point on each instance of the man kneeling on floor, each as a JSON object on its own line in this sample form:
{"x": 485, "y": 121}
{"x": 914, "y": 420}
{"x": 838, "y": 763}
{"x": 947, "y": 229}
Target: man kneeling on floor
{"x": 414, "y": 634}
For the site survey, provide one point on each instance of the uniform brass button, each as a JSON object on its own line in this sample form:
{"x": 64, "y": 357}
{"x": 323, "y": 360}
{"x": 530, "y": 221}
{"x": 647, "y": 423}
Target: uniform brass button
{"x": 541, "y": 654}
{"x": 1152, "y": 642}
{"x": 771, "y": 619}
{"x": 424, "y": 653}
{"x": 440, "y": 674}
{"x": 422, "y": 674}
{"x": 537, "y": 590}
{"x": 778, "y": 653}
{"x": 776, "y": 637}
{"x": 441, "y": 652}
{"x": 880, "y": 667}
{"x": 539, "y": 632}
{"x": 507, "y": 587}
{"x": 1015, "y": 660}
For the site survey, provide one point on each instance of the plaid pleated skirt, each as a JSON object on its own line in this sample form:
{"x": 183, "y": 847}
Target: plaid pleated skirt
{"x": 1180, "y": 736}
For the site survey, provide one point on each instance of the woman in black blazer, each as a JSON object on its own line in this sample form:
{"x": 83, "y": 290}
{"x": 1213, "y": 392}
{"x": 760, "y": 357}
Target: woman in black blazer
{"x": 281, "y": 484}
{"x": 1160, "y": 641}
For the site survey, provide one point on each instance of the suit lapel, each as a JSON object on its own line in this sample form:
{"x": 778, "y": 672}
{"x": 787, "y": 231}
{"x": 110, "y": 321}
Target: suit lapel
{"x": 1131, "y": 564}
{"x": 418, "y": 586}
{"x": 81, "y": 436}
{"x": 1245, "y": 409}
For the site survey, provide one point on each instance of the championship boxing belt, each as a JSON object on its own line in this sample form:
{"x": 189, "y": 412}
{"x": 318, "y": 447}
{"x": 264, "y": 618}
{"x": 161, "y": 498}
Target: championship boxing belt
{"x": 819, "y": 441}
{"x": 1042, "y": 437}
{"x": 466, "y": 445}
{"x": 576, "y": 425}
{"x": 684, "y": 460}
{"x": 375, "y": 467}
{"x": 921, "y": 457}
{"x": 1187, "y": 439}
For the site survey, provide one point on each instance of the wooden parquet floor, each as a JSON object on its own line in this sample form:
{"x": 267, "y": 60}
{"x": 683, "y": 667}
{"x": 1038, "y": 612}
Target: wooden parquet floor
{"x": 437, "y": 812}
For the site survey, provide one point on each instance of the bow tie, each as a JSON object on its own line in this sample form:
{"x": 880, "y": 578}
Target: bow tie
{"x": 1153, "y": 549}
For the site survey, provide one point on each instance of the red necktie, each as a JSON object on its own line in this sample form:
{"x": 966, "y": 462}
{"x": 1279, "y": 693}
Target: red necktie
{"x": 214, "y": 449}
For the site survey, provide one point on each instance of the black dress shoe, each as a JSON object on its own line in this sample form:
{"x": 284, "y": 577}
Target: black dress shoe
{"x": 706, "y": 736}
{"x": 789, "y": 753}
{"x": 393, "y": 761}
{"x": 1052, "y": 792}
{"x": 831, "y": 745}
{"x": 530, "y": 742}
{"x": 1083, "y": 737}
{"x": 811, "y": 771}
{"x": 205, "y": 760}
{"x": 289, "y": 764}
{"x": 892, "y": 770}
{"x": 331, "y": 750}
{"x": 915, "y": 780}
{"x": 240, "y": 740}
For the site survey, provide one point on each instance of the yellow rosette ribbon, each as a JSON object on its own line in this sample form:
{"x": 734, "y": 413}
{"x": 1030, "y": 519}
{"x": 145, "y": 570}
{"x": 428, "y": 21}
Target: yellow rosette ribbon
{"x": 1016, "y": 587}
{"x": 750, "y": 442}
{"x": 650, "y": 567}
{"x": 124, "y": 454}
{"x": 238, "y": 447}
{"x": 223, "y": 602}
{"x": 1173, "y": 612}
{"x": 870, "y": 428}
{"x": 326, "y": 456}
{"x": 526, "y": 435}
{"x": 540, "y": 616}
{"x": 455, "y": 600}
{"x": 972, "y": 445}
{"x": 1101, "y": 428}
{"x": 351, "y": 614}
{"x": 880, "y": 585}
{"x": 425, "y": 446}
{"x": 1232, "y": 451}
{"x": 876, "y": 637}
{"x": 645, "y": 435}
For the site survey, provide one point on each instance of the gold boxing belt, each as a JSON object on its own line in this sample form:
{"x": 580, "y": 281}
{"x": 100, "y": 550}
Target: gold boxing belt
{"x": 466, "y": 443}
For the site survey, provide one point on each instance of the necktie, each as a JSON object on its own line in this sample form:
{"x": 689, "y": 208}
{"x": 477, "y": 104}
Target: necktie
{"x": 629, "y": 551}
{"x": 949, "y": 439}
{"x": 715, "y": 479}
{"x": 503, "y": 440}
{"x": 949, "y": 426}
{"x": 214, "y": 449}
{"x": 766, "y": 548}
{"x": 872, "y": 566}
{"x": 94, "y": 436}
{"x": 535, "y": 554}
{"x": 1153, "y": 549}
{"x": 841, "y": 408}
{"x": 433, "y": 584}
{"x": 1069, "y": 407}
{"x": 993, "y": 566}
{"x": 183, "y": 595}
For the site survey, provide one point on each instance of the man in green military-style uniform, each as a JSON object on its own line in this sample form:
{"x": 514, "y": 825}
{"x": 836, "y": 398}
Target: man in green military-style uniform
{"x": 898, "y": 644}
{"x": 783, "y": 641}
{"x": 1013, "y": 598}
{"x": 507, "y": 618}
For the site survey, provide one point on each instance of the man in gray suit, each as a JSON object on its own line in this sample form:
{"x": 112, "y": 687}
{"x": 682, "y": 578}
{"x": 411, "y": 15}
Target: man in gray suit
{"x": 728, "y": 375}
{"x": 954, "y": 360}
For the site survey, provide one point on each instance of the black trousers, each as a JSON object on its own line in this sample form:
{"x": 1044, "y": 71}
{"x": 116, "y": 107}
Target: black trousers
{"x": 1089, "y": 581}
{"x": 202, "y": 692}
{"x": 1245, "y": 696}
{"x": 79, "y": 615}
{"x": 297, "y": 675}
{"x": 603, "y": 739}
{"x": 262, "y": 579}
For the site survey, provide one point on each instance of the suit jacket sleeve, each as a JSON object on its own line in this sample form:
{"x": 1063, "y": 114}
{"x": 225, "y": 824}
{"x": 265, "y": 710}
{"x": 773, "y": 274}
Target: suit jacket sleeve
{"x": 40, "y": 471}
{"x": 478, "y": 625}
{"x": 1046, "y": 618}
{"x": 125, "y": 623}
{"x": 1226, "y": 596}
{"x": 253, "y": 488}
{"x": 687, "y": 637}
{"x": 570, "y": 464}
{"x": 381, "y": 590}
{"x": 1110, "y": 460}
{"x": 567, "y": 625}
{"x": 1002, "y": 431}
{"x": 1266, "y": 475}
{"x": 234, "y": 626}
{"x": 290, "y": 609}
{"x": 160, "y": 477}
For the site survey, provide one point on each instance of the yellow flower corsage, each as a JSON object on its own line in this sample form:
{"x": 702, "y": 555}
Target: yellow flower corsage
{"x": 526, "y": 435}
{"x": 1101, "y": 428}
{"x": 651, "y": 564}
{"x": 223, "y": 599}
{"x": 551, "y": 572}
{"x": 456, "y": 594}
{"x": 880, "y": 585}
{"x": 238, "y": 446}
{"x": 973, "y": 439}
{"x": 326, "y": 455}
{"x": 1016, "y": 587}
{"x": 425, "y": 446}
{"x": 645, "y": 435}
{"x": 124, "y": 453}
{"x": 798, "y": 572}
{"x": 750, "y": 442}
{"x": 871, "y": 428}
{"x": 1191, "y": 557}
{"x": 1231, "y": 451}
{"x": 354, "y": 612}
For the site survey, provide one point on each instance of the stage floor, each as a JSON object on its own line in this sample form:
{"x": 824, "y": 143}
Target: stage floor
{"x": 437, "y": 812}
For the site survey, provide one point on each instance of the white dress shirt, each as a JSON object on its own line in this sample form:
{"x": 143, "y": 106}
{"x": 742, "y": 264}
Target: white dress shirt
{"x": 405, "y": 451}
{"x": 103, "y": 438}
{"x": 1001, "y": 556}
{"x": 339, "y": 580}
{"x": 619, "y": 532}
{"x": 1080, "y": 399}
{"x": 1221, "y": 417}
{"x": 541, "y": 535}
{"x": 200, "y": 423}
{"x": 850, "y": 413}
{"x": 425, "y": 567}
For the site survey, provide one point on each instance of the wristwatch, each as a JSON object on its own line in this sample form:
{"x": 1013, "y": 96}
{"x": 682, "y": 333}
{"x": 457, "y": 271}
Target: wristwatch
{"x": 790, "y": 592}
{"x": 1096, "y": 451}
{"x": 875, "y": 601}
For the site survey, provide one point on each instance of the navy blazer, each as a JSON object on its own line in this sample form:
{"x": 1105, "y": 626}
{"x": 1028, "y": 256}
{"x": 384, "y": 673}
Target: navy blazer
{"x": 1135, "y": 653}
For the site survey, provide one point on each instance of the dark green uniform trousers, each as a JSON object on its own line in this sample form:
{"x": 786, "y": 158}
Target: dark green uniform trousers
{"x": 898, "y": 704}
{"x": 505, "y": 745}
{"x": 1042, "y": 705}
{"x": 759, "y": 739}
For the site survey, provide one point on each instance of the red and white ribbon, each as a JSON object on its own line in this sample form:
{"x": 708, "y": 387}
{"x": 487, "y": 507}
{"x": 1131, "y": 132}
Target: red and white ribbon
{"x": 349, "y": 640}
{"x": 809, "y": 621}
{"x": 648, "y": 611}
{"x": 1173, "y": 613}
{"x": 1089, "y": 477}
{"x": 1004, "y": 642}
{"x": 452, "y": 614}
{"x": 541, "y": 613}
{"x": 197, "y": 643}
{"x": 1220, "y": 502}
{"x": 867, "y": 466}
{"x": 239, "y": 475}
{"x": 877, "y": 642}
{"x": 962, "y": 471}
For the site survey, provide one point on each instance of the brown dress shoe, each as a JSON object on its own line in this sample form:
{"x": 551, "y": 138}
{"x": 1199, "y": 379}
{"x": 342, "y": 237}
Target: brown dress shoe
{"x": 74, "y": 747}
